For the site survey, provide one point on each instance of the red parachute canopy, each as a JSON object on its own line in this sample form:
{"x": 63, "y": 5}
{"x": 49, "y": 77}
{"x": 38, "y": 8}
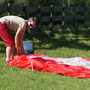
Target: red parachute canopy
{"x": 75, "y": 67}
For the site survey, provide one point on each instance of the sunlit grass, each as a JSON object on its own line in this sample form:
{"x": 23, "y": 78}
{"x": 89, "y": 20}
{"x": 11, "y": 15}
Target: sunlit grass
{"x": 59, "y": 45}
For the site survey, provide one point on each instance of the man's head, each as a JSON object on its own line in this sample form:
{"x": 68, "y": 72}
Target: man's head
{"x": 32, "y": 22}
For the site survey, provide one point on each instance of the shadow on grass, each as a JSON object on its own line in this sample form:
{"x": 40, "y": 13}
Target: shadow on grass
{"x": 2, "y": 47}
{"x": 61, "y": 41}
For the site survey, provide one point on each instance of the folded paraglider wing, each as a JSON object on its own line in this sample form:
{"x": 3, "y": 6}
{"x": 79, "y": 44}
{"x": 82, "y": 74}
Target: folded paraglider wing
{"x": 75, "y": 67}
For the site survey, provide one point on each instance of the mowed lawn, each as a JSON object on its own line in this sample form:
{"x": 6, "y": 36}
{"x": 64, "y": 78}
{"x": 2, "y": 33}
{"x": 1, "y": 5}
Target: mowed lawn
{"x": 57, "y": 45}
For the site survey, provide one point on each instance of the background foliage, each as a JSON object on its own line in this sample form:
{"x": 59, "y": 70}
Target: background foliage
{"x": 49, "y": 2}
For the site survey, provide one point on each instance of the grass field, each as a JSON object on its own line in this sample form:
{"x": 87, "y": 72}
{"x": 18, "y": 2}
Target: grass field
{"x": 57, "y": 45}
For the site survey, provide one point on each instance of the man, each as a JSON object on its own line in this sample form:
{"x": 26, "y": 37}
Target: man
{"x": 8, "y": 23}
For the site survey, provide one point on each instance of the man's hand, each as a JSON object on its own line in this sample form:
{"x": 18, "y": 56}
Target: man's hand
{"x": 18, "y": 52}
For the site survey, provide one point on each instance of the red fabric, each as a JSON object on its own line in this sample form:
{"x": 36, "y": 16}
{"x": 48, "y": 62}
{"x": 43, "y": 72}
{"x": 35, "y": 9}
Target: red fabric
{"x": 51, "y": 66}
{"x": 6, "y": 35}
{"x": 86, "y": 58}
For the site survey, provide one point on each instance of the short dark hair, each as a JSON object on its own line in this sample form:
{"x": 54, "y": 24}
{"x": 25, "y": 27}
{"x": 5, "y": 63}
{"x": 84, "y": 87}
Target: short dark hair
{"x": 33, "y": 19}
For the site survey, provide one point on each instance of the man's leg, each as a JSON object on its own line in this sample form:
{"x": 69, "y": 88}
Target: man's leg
{"x": 9, "y": 53}
{"x": 8, "y": 39}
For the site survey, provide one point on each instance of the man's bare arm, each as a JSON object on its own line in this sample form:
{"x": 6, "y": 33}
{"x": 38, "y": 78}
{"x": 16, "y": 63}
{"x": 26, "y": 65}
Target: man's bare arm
{"x": 19, "y": 40}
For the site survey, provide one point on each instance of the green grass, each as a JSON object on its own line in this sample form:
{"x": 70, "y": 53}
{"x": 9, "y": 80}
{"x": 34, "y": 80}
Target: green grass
{"x": 57, "y": 45}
